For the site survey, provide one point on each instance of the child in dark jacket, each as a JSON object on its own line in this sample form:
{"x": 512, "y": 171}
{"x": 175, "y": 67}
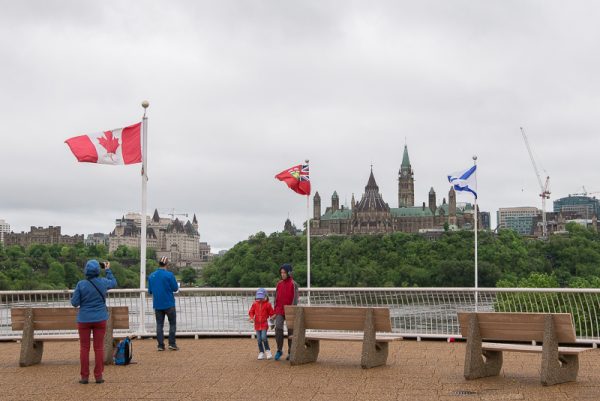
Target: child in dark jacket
{"x": 260, "y": 312}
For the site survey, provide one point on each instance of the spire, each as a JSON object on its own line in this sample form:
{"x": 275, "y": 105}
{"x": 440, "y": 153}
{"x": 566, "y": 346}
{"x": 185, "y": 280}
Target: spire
{"x": 371, "y": 184}
{"x": 335, "y": 195}
{"x": 405, "y": 158}
{"x": 372, "y": 200}
{"x": 156, "y": 217}
{"x": 317, "y": 196}
{"x": 431, "y": 191}
{"x": 195, "y": 220}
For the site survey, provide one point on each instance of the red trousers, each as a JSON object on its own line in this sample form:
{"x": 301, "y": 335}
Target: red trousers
{"x": 98, "y": 328}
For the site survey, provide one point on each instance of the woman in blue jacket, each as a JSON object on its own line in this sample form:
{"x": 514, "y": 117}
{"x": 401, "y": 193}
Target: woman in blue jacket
{"x": 90, "y": 297}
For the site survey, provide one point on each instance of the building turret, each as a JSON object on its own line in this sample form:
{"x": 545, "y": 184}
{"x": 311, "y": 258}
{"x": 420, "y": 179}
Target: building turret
{"x": 353, "y": 202}
{"x": 335, "y": 202}
{"x": 195, "y": 222}
{"x": 452, "y": 202}
{"x": 156, "y": 217}
{"x": 289, "y": 228}
{"x": 432, "y": 203}
{"x": 317, "y": 206}
{"x": 452, "y": 206}
{"x": 406, "y": 182}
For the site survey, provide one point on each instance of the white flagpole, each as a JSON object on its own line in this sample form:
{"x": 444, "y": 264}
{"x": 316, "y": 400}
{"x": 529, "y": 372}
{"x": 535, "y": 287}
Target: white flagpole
{"x": 142, "y": 328}
{"x": 308, "y": 242}
{"x": 476, "y": 228}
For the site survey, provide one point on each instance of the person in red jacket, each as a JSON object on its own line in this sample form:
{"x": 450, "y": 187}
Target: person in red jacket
{"x": 260, "y": 312}
{"x": 286, "y": 293}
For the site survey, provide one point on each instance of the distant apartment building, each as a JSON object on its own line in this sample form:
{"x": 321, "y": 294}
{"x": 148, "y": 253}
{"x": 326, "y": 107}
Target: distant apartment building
{"x": 585, "y": 206}
{"x": 173, "y": 238}
{"x": 4, "y": 229}
{"x": 97, "y": 239}
{"x": 519, "y": 219}
{"x": 40, "y": 235}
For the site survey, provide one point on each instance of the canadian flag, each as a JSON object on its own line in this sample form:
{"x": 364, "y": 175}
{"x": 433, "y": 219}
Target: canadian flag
{"x": 119, "y": 146}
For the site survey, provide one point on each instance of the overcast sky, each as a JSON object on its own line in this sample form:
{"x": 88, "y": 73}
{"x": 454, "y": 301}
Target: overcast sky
{"x": 240, "y": 90}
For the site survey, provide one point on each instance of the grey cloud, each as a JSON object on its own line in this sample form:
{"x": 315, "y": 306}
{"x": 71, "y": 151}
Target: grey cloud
{"x": 241, "y": 90}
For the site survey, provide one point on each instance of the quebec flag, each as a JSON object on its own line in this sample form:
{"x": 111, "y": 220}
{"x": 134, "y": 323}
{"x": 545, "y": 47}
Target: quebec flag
{"x": 465, "y": 180}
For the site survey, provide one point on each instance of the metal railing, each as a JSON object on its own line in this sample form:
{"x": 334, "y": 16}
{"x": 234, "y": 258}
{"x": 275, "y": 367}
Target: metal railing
{"x": 415, "y": 312}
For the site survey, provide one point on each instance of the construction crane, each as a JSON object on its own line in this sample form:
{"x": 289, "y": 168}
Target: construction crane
{"x": 173, "y": 214}
{"x": 585, "y": 192}
{"x": 544, "y": 187}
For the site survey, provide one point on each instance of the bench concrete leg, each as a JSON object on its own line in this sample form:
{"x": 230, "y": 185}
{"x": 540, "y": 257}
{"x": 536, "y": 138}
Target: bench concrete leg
{"x": 556, "y": 368}
{"x": 303, "y": 350}
{"x": 479, "y": 363}
{"x": 109, "y": 341}
{"x": 31, "y": 350}
{"x": 373, "y": 353}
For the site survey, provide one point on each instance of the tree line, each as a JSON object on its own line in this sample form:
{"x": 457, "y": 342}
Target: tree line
{"x": 392, "y": 260}
{"x": 506, "y": 259}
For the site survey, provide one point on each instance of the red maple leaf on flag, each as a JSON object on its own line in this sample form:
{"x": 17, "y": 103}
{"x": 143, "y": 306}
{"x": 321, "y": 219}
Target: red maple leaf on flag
{"x": 109, "y": 143}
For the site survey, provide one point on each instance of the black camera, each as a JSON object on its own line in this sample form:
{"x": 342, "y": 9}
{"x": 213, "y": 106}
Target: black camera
{"x": 103, "y": 265}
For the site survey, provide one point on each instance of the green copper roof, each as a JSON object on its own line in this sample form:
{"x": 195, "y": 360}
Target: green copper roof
{"x": 337, "y": 215}
{"x": 335, "y": 195}
{"x": 405, "y": 159}
{"x": 415, "y": 211}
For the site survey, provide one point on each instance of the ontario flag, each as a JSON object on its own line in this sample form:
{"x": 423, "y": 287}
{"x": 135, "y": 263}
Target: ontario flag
{"x": 118, "y": 146}
{"x": 297, "y": 178}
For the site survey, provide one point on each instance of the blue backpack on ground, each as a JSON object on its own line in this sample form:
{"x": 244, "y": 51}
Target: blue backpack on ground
{"x": 123, "y": 352}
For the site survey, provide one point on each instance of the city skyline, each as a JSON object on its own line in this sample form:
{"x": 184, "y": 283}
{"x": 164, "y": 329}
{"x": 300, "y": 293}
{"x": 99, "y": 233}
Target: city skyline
{"x": 240, "y": 91}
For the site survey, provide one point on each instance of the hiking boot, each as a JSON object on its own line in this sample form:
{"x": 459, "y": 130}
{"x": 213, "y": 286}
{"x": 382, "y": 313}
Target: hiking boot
{"x": 99, "y": 380}
{"x": 269, "y": 355}
{"x": 173, "y": 347}
{"x": 278, "y": 355}
{"x": 83, "y": 381}
{"x": 160, "y": 348}
{"x": 261, "y": 356}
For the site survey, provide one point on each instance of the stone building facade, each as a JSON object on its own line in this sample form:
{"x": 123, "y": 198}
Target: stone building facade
{"x": 173, "y": 238}
{"x": 372, "y": 215}
{"x": 40, "y": 235}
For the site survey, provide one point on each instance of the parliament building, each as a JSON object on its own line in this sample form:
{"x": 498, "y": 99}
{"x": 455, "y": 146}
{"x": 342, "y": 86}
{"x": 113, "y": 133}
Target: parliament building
{"x": 372, "y": 215}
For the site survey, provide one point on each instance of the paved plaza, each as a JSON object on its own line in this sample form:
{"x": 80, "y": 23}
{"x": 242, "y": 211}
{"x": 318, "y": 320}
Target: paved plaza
{"x": 227, "y": 369}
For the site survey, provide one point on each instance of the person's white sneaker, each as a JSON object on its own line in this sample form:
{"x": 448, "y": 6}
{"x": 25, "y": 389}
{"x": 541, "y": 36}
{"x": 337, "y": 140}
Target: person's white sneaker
{"x": 261, "y": 356}
{"x": 269, "y": 355}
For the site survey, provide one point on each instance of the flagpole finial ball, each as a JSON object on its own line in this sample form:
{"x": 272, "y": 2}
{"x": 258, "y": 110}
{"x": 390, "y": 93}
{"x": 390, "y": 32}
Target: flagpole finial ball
{"x": 145, "y": 104}
{"x": 474, "y": 157}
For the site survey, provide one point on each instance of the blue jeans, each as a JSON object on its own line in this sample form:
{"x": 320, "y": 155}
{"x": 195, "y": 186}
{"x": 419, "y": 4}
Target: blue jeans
{"x": 263, "y": 341}
{"x": 160, "y": 322}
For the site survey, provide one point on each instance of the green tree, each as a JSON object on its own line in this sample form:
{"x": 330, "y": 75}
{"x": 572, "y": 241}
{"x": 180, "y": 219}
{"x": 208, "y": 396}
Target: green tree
{"x": 188, "y": 276}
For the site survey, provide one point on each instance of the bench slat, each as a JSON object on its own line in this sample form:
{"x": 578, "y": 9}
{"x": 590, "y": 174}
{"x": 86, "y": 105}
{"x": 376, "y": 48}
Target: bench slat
{"x": 63, "y": 318}
{"x": 519, "y": 326}
{"x": 339, "y": 318}
{"x": 530, "y": 348}
{"x": 332, "y": 336}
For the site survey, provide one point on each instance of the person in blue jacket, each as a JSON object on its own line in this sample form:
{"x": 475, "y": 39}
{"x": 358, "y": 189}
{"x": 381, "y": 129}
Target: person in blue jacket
{"x": 162, "y": 285}
{"x": 90, "y": 297}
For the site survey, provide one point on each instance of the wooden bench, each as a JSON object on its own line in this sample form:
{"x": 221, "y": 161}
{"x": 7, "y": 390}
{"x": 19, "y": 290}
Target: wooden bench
{"x": 373, "y": 322}
{"x": 483, "y": 359}
{"x": 56, "y": 319}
